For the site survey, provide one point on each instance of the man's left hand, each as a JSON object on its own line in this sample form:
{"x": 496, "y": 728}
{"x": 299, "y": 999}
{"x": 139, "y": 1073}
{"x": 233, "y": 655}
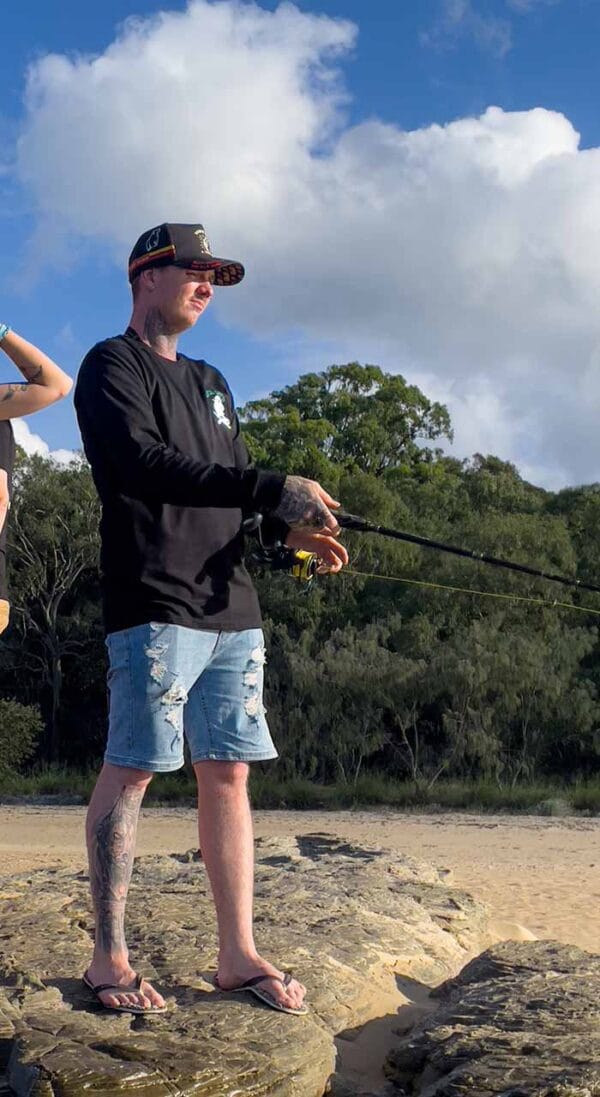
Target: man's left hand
{"x": 331, "y": 553}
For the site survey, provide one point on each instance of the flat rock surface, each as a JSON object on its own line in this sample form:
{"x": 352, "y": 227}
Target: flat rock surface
{"x": 344, "y": 918}
{"x": 521, "y": 1020}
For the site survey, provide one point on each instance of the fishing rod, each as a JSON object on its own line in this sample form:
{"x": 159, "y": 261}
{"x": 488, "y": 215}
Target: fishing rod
{"x": 305, "y": 565}
{"x": 360, "y": 525}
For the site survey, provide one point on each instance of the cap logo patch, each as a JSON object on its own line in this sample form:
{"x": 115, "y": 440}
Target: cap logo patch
{"x": 219, "y": 408}
{"x": 202, "y": 241}
{"x": 152, "y": 239}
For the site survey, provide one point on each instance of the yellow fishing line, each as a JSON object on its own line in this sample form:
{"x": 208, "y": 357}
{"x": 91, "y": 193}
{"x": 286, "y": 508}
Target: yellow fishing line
{"x": 466, "y": 590}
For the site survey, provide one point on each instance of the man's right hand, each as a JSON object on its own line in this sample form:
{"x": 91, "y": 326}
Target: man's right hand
{"x": 306, "y": 505}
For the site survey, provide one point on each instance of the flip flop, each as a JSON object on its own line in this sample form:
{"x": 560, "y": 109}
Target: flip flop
{"x": 100, "y": 988}
{"x": 253, "y": 987}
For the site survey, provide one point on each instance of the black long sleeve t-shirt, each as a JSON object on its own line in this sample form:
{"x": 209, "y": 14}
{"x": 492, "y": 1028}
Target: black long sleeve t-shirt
{"x": 175, "y": 482}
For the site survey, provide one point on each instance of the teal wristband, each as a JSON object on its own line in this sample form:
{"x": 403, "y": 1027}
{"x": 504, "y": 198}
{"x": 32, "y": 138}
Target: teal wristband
{"x": 4, "y": 330}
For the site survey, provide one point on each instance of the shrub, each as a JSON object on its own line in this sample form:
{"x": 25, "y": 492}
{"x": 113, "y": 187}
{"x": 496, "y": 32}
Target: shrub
{"x": 554, "y": 805}
{"x": 20, "y": 729}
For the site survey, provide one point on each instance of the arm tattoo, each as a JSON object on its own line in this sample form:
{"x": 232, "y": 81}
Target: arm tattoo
{"x": 11, "y": 389}
{"x": 32, "y": 373}
{"x": 300, "y": 506}
{"x": 111, "y": 865}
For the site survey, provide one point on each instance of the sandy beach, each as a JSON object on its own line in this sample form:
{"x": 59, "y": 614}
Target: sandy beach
{"x": 538, "y": 873}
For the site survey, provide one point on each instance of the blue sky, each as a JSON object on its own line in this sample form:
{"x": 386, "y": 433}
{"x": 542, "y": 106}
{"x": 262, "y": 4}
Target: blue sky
{"x": 351, "y": 161}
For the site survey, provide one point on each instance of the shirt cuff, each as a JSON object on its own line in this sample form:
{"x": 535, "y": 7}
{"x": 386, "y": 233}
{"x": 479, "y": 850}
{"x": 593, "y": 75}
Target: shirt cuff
{"x": 268, "y": 490}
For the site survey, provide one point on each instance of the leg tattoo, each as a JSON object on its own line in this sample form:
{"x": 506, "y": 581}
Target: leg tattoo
{"x": 111, "y": 865}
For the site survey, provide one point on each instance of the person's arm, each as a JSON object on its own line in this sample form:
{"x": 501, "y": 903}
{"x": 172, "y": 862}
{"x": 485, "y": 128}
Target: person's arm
{"x": 114, "y": 409}
{"x": 45, "y": 382}
{"x": 272, "y": 530}
{"x": 115, "y": 412}
{"x": 302, "y": 518}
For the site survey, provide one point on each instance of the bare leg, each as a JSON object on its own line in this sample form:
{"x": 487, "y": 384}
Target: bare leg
{"x": 227, "y": 844}
{"x": 111, "y": 831}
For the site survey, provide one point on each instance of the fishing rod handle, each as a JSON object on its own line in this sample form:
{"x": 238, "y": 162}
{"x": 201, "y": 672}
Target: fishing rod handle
{"x": 352, "y": 521}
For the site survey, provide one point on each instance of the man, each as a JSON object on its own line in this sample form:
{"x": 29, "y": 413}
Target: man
{"x": 182, "y": 619}
{"x": 44, "y": 384}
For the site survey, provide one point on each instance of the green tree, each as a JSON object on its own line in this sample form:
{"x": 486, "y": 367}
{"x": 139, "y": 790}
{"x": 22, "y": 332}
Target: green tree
{"x": 355, "y": 416}
{"x": 364, "y": 673}
{"x": 53, "y": 543}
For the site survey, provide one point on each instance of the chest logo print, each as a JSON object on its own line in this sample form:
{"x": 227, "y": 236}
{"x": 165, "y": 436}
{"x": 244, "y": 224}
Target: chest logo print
{"x": 219, "y": 408}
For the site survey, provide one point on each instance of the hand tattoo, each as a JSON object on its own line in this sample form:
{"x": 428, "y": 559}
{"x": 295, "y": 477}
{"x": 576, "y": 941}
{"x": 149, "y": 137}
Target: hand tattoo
{"x": 300, "y": 506}
{"x": 111, "y": 865}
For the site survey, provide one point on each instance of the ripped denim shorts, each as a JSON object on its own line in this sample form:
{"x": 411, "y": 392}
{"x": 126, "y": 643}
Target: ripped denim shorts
{"x": 166, "y": 682}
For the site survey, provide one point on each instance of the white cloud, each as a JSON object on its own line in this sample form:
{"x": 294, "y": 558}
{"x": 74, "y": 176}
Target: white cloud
{"x": 467, "y": 253}
{"x": 524, "y": 7}
{"x": 463, "y": 20}
{"x": 32, "y": 443}
{"x": 183, "y": 112}
{"x": 460, "y": 19}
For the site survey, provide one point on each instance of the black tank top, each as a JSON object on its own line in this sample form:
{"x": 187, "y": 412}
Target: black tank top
{"x": 7, "y": 460}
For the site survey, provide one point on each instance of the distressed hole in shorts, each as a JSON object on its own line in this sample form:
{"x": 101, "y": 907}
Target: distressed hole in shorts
{"x": 174, "y": 699}
{"x": 253, "y": 706}
{"x": 158, "y": 668}
{"x": 258, "y": 657}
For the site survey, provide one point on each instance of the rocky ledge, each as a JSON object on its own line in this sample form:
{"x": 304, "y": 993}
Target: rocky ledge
{"x": 521, "y": 1020}
{"x": 345, "y": 919}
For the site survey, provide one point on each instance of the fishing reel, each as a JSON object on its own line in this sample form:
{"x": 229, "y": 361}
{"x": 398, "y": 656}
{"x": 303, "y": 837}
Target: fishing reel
{"x": 301, "y": 565}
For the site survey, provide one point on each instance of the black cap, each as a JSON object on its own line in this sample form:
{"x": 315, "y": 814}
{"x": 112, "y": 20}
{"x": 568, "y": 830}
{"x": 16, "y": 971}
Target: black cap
{"x": 181, "y": 246}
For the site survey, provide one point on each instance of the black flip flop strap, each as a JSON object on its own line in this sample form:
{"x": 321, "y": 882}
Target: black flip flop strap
{"x": 119, "y": 989}
{"x": 261, "y": 978}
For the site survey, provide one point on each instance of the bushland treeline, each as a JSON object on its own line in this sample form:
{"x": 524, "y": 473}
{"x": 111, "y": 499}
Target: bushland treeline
{"x": 364, "y": 674}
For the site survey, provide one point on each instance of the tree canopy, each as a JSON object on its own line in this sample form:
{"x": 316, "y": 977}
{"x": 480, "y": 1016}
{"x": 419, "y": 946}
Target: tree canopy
{"x": 399, "y": 675}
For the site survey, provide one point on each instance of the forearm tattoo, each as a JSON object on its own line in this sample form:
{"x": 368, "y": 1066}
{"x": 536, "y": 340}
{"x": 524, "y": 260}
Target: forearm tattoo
{"x": 11, "y": 389}
{"x": 111, "y": 865}
{"x": 300, "y": 506}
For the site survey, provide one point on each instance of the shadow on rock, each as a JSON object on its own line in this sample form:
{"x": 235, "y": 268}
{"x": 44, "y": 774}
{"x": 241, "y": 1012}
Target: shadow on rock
{"x": 317, "y": 846}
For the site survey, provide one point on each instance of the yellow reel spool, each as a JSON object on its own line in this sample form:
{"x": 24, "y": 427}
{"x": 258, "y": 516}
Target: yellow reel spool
{"x": 304, "y": 566}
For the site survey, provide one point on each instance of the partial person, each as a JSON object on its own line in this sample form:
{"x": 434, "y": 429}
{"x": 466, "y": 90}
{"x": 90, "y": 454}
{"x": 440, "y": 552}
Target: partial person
{"x": 184, "y": 636}
{"x": 44, "y": 384}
